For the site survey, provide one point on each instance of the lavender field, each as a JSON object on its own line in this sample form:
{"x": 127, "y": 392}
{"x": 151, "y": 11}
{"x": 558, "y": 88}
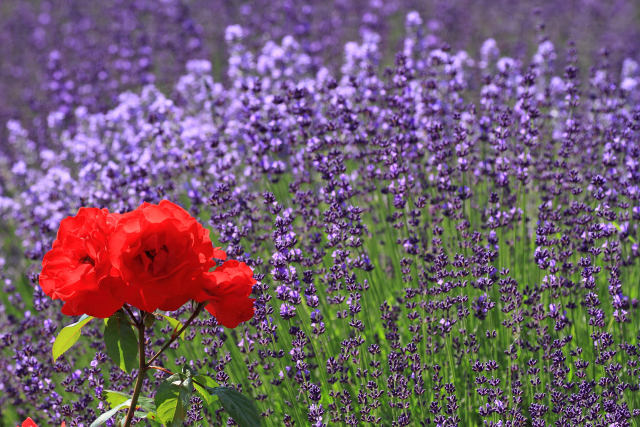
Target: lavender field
{"x": 440, "y": 202}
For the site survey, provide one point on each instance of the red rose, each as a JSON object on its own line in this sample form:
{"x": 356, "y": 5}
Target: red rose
{"x": 155, "y": 257}
{"x": 30, "y": 423}
{"x": 77, "y": 269}
{"x": 161, "y": 253}
{"x": 227, "y": 290}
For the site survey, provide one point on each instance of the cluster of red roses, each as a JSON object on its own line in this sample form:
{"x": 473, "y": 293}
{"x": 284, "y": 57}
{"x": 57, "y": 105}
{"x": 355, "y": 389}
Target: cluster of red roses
{"x": 155, "y": 257}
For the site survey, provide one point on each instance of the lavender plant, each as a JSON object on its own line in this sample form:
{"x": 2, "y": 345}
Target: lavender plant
{"x": 58, "y": 56}
{"x": 450, "y": 240}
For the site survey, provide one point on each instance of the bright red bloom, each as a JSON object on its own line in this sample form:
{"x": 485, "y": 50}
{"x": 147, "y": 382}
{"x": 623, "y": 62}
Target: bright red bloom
{"x": 227, "y": 290}
{"x": 161, "y": 253}
{"x": 77, "y": 269}
{"x": 155, "y": 257}
{"x": 30, "y": 423}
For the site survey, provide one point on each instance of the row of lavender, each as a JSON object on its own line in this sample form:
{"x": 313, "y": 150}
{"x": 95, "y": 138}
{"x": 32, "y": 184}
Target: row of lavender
{"x": 61, "y": 55}
{"x": 449, "y": 240}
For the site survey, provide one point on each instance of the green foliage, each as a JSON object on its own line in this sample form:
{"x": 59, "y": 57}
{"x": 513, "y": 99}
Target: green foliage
{"x": 110, "y": 413}
{"x": 240, "y": 407}
{"x": 202, "y": 384}
{"x": 115, "y": 398}
{"x": 172, "y": 398}
{"x": 119, "y": 401}
{"x": 68, "y": 336}
{"x": 121, "y": 341}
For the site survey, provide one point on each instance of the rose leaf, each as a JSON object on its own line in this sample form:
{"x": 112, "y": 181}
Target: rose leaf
{"x": 172, "y": 399}
{"x": 121, "y": 342}
{"x": 240, "y": 407}
{"x": 68, "y": 336}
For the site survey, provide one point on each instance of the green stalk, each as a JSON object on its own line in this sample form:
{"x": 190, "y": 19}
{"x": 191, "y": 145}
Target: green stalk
{"x": 141, "y": 371}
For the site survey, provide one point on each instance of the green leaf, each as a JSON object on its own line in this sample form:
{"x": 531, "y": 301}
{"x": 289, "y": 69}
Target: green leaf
{"x": 169, "y": 407}
{"x": 146, "y": 404}
{"x": 172, "y": 399}
{"x": 187, "y": 371}
{"x": 240, "y": 407}
{"x": 206, "y": 381}
{"x": 114, "y": 398}
{"x": 147, "y": 415}
{"x": 121, "y": 342}
{"x": 204, "y": 394}
{"x": 110, "y": 413}
{"x": 175, "y": 323}
{"x": 68, "y": 336}
{"x": 203, "y": 390}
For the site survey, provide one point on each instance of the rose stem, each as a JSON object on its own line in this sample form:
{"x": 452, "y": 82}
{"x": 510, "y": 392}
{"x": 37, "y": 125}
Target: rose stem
{"x": 141, "y": 371}
{"x": 144, "y": 366}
